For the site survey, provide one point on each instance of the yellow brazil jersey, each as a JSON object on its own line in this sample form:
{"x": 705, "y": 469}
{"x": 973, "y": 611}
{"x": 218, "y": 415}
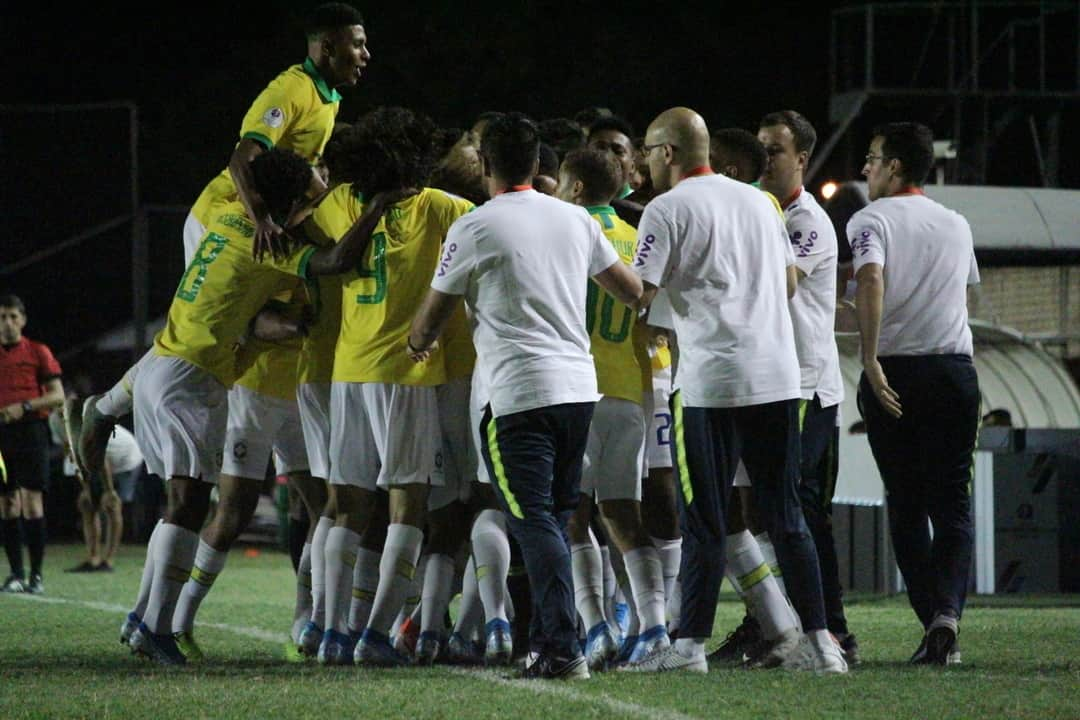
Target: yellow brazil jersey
{"x": 330, "y": 221}
{"x": 296, "y": 111}
{"x": 380, "y": 298}
{"x": 619, "y": 344}
{"x": 221, "y": 291}
{"x": 269, "y": 368}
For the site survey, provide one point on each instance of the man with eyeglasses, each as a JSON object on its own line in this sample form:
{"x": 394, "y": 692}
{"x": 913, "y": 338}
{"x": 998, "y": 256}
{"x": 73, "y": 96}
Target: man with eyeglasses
{"x": 721, "y": 251}
{"x": 919, "y": 391}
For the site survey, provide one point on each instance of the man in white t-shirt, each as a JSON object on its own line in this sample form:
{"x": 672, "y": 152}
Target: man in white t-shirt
{"x": 721, "y": 251}
{"x": 522, "y": 262}
{"x": 789, "y": 140}
{"x": 919, "y": 391}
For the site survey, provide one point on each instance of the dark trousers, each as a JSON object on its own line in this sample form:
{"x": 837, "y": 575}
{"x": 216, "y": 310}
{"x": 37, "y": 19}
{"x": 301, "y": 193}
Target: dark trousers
{"x": 534, "y": 459}
{"x": 925, "y": 460}
{"x": 707, "y": 447}
{"x": 820, "y": 440}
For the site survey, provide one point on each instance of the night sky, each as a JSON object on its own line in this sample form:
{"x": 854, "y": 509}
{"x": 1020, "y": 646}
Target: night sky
{"x": 193, "y": 74}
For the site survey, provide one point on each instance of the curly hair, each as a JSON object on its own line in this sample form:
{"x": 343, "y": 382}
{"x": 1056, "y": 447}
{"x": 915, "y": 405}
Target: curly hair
{"x": 281, "y": 177}
{"x": 387, "y": 149}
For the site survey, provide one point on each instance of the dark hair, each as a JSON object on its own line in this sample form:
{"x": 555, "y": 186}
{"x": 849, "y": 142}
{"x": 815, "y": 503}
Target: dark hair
{"x": 745, "y": 150}
{"x": 331, "y": 16}
{"x": 563, "y": 134}
{"x": 613, "y": 122}
{"x": 12, "y": 301}
{"x": 510, "y": 144}
{"x": 912, "y": 144}
{"x": 800, "y": 127}
{"x": 281, "y": 177}
{"x": 386, "y": 149}
{"x": 587, "y": 116}
{"x": 599, "y": 171}
{"x": 549, "y": 161}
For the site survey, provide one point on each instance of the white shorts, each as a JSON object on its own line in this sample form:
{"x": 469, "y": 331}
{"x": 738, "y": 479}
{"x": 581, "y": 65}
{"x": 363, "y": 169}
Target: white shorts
{"x": 258, "y": 425}
{"x": 742, "y": 478}
{"x": 459, "y": 456}
{"x": 194, "y": 231}
{"x": 383, "y": 435}
{"x": 181, "y": 412}
{"x": 615, "y": 453}
{"x": 658, "y": 439}
{"x": 477, "y": 403}
{"x": 313, "y": 401}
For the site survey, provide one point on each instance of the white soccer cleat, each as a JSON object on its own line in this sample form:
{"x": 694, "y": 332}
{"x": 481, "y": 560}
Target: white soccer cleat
{"x": 777, "y": 651}
{"x": 817, "y": 653}
{"x": 669, "y": 659}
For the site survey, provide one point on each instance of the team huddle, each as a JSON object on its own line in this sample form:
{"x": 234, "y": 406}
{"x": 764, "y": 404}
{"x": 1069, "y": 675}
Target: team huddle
{"x": 498, "y": 366}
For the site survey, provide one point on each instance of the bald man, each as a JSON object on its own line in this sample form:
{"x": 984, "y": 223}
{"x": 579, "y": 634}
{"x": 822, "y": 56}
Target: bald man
{"x": 721, "y": 251}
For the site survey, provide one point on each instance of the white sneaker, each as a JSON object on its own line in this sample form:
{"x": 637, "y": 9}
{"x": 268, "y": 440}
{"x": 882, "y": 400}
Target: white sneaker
{"x": 666, "y": 659}
{"x": 817, "y": 653}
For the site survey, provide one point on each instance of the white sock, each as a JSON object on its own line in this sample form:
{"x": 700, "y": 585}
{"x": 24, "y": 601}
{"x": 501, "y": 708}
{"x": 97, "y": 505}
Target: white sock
{"x": 689, "y": 647}
{"x": 588, "y": 568}
{"x": 302, "y": 611}
{"x": 611, "y": 586}
{"x": 147, "y": 581}
{"x": 318, "y": 571}
{"x": 646, "y": 577}
{"x": 769, "y": 553}
{"x": 208, "y": 565}
{"x": 118, "y": 401}
{"x": 435, "y": 596}
{"x": 341, "y": 545}
{"x": 471, "y": 610}
{"x": 670, "y": 558}
{"x": 411, "y": 606}
{"x": 674, "y": 606}
{"x": 758, "y": 587}
{"x": 365, "y": 582}
{"x": 491, "y": 550}
{"x": 397, "y": 568}
{"x": 174, "y": 554}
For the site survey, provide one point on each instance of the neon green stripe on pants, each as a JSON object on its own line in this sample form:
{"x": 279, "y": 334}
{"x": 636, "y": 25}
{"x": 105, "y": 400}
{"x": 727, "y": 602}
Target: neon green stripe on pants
{"x": 680, "y": 449}
{"x": 500, "y": 471}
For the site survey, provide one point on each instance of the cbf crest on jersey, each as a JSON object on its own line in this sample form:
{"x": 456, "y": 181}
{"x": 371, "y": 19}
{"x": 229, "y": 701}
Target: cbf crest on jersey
{"x": 274, "y": 117}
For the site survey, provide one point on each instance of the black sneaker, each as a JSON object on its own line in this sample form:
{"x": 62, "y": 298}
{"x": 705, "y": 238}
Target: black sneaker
{"x": 84, "y": 567}
{"x": 849, "y": 646}
{"x": 35, "y": 586}
{"x": 739, "y": 642}
{"x": 941, "y": 639}
{"x": 919, "y": 656}
{"x": 555, "y": 668}
{"x": 13, "y": 584}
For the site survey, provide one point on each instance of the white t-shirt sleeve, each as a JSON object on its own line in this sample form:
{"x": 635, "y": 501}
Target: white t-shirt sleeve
{"x": 456, "y": 262}
{"x": 807, "y": 242}
{"x": 601, "y": 253}
{"x": 867, "y": 244}
{"x": 655, "y": 251}
{"x": 660, "y": 314}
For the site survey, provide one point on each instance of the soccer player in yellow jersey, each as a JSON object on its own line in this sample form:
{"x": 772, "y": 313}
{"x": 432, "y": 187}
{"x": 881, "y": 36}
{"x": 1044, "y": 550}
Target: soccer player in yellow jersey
{"x": 263, "y": 422}
{"x": 384, "y": 430}
{"x": 614, "y": 455}
{"x": 296, "y": 112}
{"x": 180, "y": 397}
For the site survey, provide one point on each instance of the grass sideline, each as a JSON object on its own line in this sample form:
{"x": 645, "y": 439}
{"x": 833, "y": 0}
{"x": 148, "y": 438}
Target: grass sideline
{"x": 60, "y": 658}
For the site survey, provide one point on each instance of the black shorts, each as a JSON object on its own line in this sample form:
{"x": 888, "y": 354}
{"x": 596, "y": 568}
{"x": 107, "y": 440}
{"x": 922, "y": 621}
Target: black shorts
{"x": 25, "y": 450}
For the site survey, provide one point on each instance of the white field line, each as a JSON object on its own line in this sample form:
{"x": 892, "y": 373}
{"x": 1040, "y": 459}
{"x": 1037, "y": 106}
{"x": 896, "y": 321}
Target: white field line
{"x": 561, "y": 690}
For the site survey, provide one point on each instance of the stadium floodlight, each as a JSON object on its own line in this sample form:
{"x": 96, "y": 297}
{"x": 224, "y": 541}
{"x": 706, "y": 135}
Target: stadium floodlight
{"x": 829, "y": 189}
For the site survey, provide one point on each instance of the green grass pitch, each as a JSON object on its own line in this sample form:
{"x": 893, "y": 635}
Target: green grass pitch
{"x": 60, "y": 658}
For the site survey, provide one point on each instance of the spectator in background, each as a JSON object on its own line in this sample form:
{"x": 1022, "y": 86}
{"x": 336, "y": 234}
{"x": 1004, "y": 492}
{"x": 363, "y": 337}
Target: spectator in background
{"x": 547, "y": 173}
{"x": 562, "y": 134}
{"x": 104, "y": 497}
{"x": 29, "y": 388}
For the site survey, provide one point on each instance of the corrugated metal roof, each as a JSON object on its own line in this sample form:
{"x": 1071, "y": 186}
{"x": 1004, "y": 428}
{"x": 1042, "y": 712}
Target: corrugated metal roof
{"x": 1014, "y": 374}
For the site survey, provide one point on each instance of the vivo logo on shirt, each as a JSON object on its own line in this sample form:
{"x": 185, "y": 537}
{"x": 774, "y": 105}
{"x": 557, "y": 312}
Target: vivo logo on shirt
{"x": 445, "y": 263}
{"x": 861, "y": 244}
{"x": 644, "y": 250}
{"x": 804, "y": 246}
